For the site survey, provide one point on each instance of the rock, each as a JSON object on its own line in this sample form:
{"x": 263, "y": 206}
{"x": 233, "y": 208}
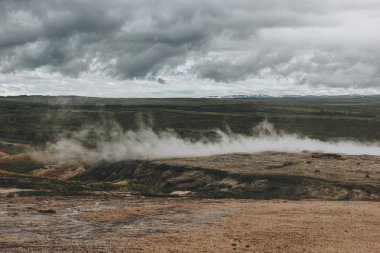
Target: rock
{"x": 180, "y": 193}
{"x": 47, "y": 211}
{"x": 326, "y": 155}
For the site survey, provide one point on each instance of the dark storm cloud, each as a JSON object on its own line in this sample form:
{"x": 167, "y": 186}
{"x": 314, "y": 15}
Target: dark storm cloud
{"x": 331, "y": 43}
{"x": 61, "y": 35}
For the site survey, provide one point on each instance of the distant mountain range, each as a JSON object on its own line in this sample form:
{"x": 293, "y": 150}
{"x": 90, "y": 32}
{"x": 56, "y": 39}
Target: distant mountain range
{"x": 236, "y": 96}
{"x": 242, "y": 96}
{"x": 239, "y": 96}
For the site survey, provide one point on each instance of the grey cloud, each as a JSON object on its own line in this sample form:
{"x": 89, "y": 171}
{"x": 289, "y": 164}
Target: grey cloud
{"x": 226, "y": 41}
{"x": 60, "y": 35}
{"x": 320, "y": 68}
{"x": 174, "y": 29}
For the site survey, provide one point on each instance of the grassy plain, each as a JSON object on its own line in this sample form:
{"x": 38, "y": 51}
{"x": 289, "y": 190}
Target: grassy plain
{"x": 36, "y": 119}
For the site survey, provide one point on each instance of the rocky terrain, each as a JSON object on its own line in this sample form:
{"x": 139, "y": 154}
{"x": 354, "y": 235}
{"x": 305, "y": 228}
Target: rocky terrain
{"x": 259, "y": 176}
{"x": 266, "y": 202}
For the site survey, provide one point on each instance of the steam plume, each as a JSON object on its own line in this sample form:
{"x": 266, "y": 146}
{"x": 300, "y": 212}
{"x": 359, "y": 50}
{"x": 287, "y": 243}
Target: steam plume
{"x": 115, "y": 144}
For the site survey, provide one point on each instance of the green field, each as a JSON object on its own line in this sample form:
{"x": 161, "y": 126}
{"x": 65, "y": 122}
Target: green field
{"x": 36, "y": 119}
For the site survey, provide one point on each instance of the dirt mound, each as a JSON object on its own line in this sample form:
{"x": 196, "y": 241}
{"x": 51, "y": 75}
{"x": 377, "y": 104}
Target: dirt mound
{"x": 7, "y": 172}
{"x": 260, "y": 176}
{"x": 20, "y": 163}
{"x": 347, "y": 169}
{"x": 61, "y": 171}
{"x": 18, "y": 157}
{"x": 164, "y": 178}
{"x": 3, "y": 155}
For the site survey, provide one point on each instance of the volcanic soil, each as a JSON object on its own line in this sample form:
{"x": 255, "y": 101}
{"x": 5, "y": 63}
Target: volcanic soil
{"x": 268, "y": 202}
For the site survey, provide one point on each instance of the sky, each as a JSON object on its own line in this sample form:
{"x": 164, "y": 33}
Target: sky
{"x": 182, "y": 48}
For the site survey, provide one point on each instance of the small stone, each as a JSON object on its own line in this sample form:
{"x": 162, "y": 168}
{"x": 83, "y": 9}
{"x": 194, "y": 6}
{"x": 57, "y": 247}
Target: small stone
{"x": 47, "y": 211}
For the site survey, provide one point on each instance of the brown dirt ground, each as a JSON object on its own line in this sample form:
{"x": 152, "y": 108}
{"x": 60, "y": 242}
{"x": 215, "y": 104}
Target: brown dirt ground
{"x": 7, "y": 172}
{"x": 17, "y": 157}
{"x": 137, "y": 224}
{"x": 3, "y": 154}
{"x": 359, "y": 169}
{"x": 348, "y": 168}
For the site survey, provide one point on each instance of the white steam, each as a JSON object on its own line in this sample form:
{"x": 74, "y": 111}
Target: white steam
{"x": 146, "y": 143}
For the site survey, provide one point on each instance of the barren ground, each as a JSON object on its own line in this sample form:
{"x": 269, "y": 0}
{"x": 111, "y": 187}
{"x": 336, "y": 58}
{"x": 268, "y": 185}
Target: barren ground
{"x": 123, "y": 222}
{"x": 138, "y": 224}
{"x": 342, "y": 168}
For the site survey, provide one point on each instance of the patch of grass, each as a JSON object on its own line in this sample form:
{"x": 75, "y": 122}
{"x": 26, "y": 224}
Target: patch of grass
{"x": 45, "y": 186}
{"x": 21, "y": 166}
{"x": 12, "y": 149}
{"x": 143, "y": 189}
{"x": 52, "y": 185}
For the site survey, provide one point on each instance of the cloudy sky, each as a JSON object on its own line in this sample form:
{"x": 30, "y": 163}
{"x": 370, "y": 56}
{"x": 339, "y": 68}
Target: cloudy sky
{"x": 153, "y": 48}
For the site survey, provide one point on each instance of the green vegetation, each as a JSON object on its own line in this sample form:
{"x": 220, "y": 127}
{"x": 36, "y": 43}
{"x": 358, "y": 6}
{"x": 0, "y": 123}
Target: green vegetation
{"x": 20, "y": 166}
{"x": 52, "y": 185}
{"x": 37, "y": 120}
{"x": 12, "y": 149}
{"x": 48, "y": 186}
